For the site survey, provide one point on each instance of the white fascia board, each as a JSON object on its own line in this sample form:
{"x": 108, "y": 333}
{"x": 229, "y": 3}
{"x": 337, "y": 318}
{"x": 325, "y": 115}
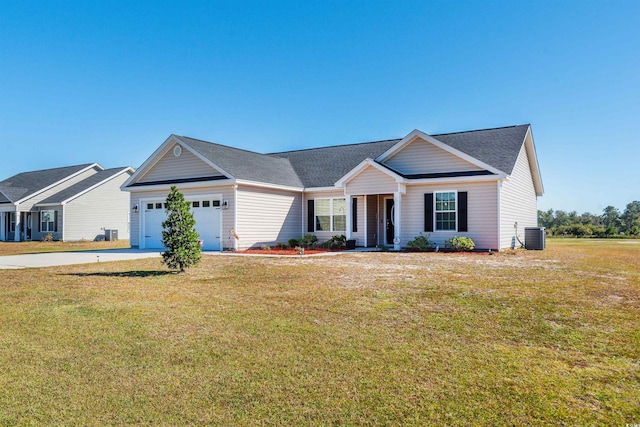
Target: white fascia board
{"x": 45, "y": 205}
{"x": 362, "y": 167}
{"x": 59, "y": 182}
{"x": 417, "y": 134}
{"x": 457, "y": 179}
{"x": 530, "y": 147}
{"x": 320, "y": 189}
{"x": 64, "y": 202}
{"x": 200, "y": 184}
{"x": 267, "y": 185}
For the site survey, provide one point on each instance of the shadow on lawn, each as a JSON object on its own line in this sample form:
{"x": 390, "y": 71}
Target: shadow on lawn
{"x": 135, "y": 273}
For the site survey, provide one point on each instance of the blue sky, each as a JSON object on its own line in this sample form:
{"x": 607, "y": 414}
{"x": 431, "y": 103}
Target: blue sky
{"x": 109, "y": 81}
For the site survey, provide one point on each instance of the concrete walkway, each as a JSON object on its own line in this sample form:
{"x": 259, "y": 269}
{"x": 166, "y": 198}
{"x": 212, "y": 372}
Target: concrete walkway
{"x": 69, "y": 258}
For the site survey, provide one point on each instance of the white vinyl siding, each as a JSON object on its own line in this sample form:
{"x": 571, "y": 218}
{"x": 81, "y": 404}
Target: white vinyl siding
{"x": 227, "y": 192}
{"x": 267, "y": 216}
{"x": 371, "y": 181}
{"x": 482, "y": 217}
{"x": 105, "y": 207}
{"x": 423, "y": 157}
{"x": 187, "y": 165}
{"x": 518, "y": 202}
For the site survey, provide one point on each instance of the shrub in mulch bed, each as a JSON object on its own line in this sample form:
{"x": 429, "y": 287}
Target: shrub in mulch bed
{"x": 286, "y": 251}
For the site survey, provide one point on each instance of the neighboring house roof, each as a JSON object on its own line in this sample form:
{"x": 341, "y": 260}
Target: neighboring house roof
{"x": 25, "y": 184}
{"x": 82, "y": 186}
{"x": 246, "y": 165}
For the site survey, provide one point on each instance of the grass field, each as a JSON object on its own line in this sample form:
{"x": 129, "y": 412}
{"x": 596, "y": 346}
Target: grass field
{"x": 34, "y": 247}
{"x": 516, "y": 338}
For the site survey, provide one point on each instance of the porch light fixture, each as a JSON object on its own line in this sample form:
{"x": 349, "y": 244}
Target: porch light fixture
{"x": 225, "y": 204}
{"x": 134, "y": 209}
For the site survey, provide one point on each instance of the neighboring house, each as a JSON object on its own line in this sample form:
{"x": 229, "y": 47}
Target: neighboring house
{"x": 70, "y": 203}
{"x": 482, "y": 184}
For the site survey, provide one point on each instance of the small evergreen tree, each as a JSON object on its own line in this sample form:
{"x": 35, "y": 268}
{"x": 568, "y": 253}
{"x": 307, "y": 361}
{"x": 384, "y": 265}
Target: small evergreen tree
{"x": 179, "y": 235}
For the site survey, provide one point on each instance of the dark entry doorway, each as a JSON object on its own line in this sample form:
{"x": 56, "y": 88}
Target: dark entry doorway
{"x": 389, "y": 221}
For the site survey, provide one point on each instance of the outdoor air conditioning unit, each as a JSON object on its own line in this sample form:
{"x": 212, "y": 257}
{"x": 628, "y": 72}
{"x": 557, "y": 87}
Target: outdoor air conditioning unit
{"x": 110, "y": 235}
{"x": 534, "y": 238}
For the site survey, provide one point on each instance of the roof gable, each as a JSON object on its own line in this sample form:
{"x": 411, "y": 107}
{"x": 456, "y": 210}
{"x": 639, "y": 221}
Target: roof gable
{"x": 423, "y": 157}
{"x": 176, "y": 162}
{"x": 28, "y": 184}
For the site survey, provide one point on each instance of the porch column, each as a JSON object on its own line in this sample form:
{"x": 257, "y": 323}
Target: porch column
{"x": 366, "y": 219}
{"x": 16, "y": 235}
{"x": 397, "y": 219}
{"x": 348, "y": 211}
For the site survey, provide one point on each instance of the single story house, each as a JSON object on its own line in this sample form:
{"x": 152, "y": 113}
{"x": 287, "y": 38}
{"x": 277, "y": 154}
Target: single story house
{"x": 481, "y": 184}
{"x": 69, "y": 203}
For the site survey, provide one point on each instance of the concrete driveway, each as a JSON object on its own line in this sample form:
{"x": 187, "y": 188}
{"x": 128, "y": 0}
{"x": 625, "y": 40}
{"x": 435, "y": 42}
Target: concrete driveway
{"x": 68, "y": 258}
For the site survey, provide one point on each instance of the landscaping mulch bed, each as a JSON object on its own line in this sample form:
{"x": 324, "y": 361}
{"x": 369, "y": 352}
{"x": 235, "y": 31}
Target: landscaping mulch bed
{"x": 286, "y": 251}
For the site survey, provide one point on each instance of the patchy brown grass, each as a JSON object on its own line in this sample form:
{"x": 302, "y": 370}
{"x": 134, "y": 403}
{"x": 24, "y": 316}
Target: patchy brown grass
{"x": 515, "y": 338}
{"x": 17, "y": 248}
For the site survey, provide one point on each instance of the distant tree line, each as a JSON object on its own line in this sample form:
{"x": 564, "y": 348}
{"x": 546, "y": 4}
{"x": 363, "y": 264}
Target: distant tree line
{"x": 611, "y": 223}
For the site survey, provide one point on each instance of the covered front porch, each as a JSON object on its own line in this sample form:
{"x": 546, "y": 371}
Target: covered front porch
{"x": 16, "y": 226}
{"x": 375, "y": 221}
{"x": 374, "y": 202}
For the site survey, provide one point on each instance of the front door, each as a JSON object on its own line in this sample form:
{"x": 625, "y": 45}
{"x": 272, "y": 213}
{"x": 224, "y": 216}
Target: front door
{"x": 389, "y": 221}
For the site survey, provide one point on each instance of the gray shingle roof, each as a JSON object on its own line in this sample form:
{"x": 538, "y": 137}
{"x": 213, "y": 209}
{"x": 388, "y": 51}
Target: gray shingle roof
{"x": 497, "y": 147}
{"x": 25, "y": 184}
{"x": 81, "y": 186}
{"x": 247, "y": 165}
{"x": 322, "y": 167}
{"x": 3, "y": 199}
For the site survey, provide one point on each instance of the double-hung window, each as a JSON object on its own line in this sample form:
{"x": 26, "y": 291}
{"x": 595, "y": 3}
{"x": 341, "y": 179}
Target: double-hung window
{"x": 445, "y": 209}
{"x": 47, "y": 221}
{"x": 331, "y": 214}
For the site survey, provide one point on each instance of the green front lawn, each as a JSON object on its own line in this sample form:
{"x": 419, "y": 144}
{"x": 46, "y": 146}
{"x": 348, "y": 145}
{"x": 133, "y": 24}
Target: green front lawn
{"x": 515, "y": 338}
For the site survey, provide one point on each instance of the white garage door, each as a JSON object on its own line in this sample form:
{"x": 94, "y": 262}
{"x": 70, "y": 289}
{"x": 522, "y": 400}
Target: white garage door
{"x": 206, "y": 212}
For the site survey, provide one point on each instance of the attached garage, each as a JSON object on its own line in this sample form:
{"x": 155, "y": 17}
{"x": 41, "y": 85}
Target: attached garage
{"x": 206, "y": 211}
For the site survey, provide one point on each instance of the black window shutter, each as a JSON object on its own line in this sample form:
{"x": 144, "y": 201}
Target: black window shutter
{"x": 354, "y": 214}
{"x": 462, "y": 211}
{"x": 428, "y": 212}
{"x": 55, "y": 221}
{"x": 311, "y": 216}
{"x": 39, "y": 222}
